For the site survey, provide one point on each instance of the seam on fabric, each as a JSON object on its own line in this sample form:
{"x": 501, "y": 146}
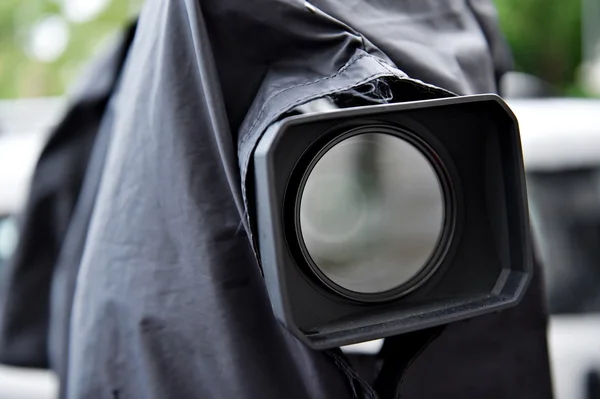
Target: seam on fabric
{"x": 387, "y": 66}
{"x": 353, "y": 376}
{"x": 395, "y": 71}
{"x": 272, "y": 97}
{"x": 325, "y": 93}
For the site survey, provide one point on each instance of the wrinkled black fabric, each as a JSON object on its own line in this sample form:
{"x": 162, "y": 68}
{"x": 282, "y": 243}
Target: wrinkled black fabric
{"x": 397, "y": 355}
{"x": 169, "y": 300}
{"x": 66, "y": 269}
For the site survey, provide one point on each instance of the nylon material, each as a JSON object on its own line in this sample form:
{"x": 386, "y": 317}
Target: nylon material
{"x": 314, "y": 45}
{"x": 416, "y": 35}
{"x": 176, "y": 260}
{"x": 67, "y": 264}
{"x": 264, "y": 105}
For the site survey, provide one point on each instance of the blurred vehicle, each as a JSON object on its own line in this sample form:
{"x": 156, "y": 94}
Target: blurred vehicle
{"x": 561, "y": 146}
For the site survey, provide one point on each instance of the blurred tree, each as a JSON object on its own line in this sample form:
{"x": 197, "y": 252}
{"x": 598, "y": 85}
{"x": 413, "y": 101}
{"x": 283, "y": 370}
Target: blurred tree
{"x": 44, "y": 43}
{"x": 545, "y": 36}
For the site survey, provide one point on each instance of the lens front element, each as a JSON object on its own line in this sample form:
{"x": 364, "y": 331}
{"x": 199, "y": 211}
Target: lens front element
{"x": 371, "y": 213}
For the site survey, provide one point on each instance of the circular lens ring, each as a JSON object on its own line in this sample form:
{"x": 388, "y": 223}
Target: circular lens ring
{"x": 445, "y": 238}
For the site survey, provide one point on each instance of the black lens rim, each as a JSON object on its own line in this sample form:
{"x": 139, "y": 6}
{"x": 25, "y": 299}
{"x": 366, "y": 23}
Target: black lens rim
{"x": 450, "y": 209}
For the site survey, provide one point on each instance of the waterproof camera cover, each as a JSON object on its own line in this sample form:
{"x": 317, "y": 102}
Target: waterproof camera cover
{"x": 481, "y": 259}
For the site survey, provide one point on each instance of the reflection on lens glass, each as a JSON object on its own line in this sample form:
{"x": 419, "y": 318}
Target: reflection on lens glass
{"x": 372, "y": 212}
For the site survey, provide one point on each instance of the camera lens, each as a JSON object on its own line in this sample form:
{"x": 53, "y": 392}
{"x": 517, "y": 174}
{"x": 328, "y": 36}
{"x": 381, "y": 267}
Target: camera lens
{"x": 371, "y": 212}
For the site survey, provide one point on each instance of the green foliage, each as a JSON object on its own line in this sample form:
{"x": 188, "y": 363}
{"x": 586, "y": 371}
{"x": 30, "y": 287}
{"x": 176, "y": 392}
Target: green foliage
{"x": 23, "y": 76}
{"x": 545, "y": 36}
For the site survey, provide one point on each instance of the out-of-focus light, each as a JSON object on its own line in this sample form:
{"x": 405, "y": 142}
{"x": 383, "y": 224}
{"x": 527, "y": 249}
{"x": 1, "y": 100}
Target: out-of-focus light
{"x": 80, "y": 11}
{"x": 591, "y": 76}
{"x": 48, "y": 38}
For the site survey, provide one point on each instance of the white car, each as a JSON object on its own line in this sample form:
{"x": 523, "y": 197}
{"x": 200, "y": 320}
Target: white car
{"x": 561, "y": 148}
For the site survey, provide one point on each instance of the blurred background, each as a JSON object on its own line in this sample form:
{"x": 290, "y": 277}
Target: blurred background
{"x": 45, "y": 43}
{"x": 555, "y": 41}
{"x": 555, "y": 92}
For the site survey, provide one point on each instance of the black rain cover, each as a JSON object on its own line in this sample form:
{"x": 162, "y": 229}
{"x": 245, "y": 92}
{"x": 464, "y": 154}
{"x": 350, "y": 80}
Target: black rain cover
{"x": 169, "y": 300}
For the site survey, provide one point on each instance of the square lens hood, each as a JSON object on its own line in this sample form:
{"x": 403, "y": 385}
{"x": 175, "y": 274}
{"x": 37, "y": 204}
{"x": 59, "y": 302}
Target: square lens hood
{"x": 486, "y": 264}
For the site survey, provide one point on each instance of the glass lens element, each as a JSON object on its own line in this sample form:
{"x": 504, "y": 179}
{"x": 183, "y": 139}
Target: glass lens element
{"x": 372, "y": 212}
